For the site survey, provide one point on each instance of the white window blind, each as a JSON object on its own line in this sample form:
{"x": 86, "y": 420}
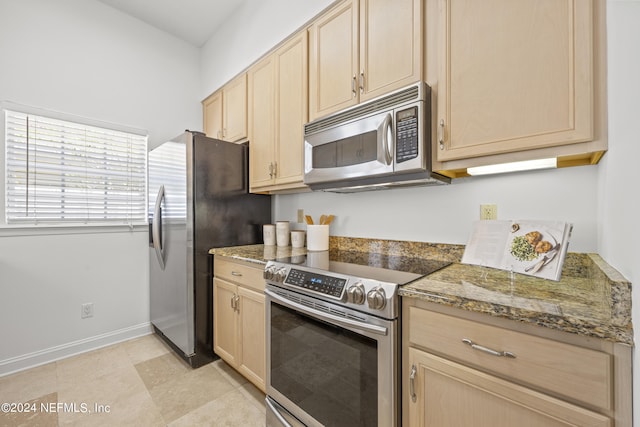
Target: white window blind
{"x": 63, "y": 172}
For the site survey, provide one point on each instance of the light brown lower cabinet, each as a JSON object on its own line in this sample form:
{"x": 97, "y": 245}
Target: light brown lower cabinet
{"x": 450, "y": 394}
{"x": 469, "y": 369}
{"x": 239, "y": 318}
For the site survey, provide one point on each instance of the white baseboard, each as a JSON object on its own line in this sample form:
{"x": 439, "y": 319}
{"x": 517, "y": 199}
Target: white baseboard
{"x": 48, "y": 355}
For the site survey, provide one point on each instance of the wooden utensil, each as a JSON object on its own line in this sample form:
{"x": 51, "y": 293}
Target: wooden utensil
{"x": 308, "y": 219}
{"x": 323, "y": 218}
{"x": 329, "y": 219}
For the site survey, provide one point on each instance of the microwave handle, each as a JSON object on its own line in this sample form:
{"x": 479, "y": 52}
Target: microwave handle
{"x": 385, "y": 140}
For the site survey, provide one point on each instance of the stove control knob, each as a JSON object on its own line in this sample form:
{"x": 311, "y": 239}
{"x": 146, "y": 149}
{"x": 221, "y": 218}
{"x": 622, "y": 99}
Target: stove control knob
{"x": 268, "y": 273}
{"x": 355, "y": 294}
{"x": 280, "y": 275}
{"x": 376, "y": 298}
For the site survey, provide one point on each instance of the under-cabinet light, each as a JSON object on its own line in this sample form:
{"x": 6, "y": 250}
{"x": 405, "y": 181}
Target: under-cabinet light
{"x": 514, "y": 166}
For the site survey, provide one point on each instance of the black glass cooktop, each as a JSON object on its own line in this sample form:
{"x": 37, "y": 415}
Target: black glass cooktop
{"x": 388, "y": 268}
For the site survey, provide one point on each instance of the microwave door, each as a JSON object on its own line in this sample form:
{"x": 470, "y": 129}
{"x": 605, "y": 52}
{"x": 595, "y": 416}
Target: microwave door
{"x": 361, "y": 148}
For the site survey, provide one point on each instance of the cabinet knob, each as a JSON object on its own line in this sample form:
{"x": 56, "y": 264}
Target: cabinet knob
{"x": 361, "y": 82}
{"x": 441, "y": 134}
{"x": 353, "y": 85}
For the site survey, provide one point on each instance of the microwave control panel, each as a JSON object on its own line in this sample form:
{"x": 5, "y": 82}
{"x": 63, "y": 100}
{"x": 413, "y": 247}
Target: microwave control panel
{"x": 406, "y": 134}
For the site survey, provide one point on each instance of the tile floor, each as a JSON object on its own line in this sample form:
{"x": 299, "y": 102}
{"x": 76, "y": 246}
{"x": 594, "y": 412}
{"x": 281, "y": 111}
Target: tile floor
{"x": 140, "y": 382}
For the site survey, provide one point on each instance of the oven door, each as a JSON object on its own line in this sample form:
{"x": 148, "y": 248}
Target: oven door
{"x": 326, "y": 369}
{"x": 361, "y": 148}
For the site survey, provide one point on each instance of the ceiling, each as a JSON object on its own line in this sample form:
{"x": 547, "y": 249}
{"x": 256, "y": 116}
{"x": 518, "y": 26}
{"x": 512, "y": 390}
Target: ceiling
{"x": 193, "y": 21}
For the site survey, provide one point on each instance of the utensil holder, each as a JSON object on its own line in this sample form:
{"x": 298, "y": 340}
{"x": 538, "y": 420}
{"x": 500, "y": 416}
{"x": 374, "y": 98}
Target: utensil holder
{"x": 318, "y": 237}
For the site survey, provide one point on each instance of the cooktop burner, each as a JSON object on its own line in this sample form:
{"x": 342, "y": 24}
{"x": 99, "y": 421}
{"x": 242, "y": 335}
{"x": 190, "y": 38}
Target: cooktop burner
{"x": 387, "y": 268}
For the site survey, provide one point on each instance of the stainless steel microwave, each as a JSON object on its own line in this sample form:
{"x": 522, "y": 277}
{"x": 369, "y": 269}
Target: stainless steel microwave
{"x": 380, "y": 144}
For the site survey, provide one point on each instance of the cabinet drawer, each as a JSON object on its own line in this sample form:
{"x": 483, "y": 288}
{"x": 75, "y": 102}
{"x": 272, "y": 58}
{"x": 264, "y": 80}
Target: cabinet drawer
{"x": 240, "y": 273}
{"x": 575, "y": 372}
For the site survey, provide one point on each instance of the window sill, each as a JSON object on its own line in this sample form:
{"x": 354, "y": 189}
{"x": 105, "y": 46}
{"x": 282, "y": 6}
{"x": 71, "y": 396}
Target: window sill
{"x": 49, "y": 230}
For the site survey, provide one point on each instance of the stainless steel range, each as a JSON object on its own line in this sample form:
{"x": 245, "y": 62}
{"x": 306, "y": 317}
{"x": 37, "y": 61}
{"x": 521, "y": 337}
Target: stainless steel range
{"x": 333, "y": 353}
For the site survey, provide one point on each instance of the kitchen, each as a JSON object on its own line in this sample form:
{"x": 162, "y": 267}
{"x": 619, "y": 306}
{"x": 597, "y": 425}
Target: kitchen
{"x": 103, "y": 64}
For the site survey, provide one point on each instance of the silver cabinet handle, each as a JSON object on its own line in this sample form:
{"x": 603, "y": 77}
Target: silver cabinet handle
{"x": 412, "y": 382}
{"x": 361, "y": 81}
{"x": 271, "y": 170}
{"x": 235, "y": 303}
{"x": 441, "y": 134}
{"x": 488, "y": 350}
{"x": 353, "y": 85}
{"x": 275, "y": 169}
{"x": 236, "y": 273}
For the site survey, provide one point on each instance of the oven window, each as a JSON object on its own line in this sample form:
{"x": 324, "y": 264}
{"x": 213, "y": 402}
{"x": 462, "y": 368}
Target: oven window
{"x": 329, "y": 372}
{"x": 354, "y": 150}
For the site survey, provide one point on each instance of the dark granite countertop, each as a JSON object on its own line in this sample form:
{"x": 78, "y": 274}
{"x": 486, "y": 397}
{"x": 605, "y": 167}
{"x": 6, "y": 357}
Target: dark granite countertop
{"x": 591, "y": 299}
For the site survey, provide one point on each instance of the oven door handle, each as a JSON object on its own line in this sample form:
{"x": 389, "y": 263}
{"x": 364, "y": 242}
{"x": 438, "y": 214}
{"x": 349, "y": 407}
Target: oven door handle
{"x": 274, "y": 411}
{"x": 340, "y": 321}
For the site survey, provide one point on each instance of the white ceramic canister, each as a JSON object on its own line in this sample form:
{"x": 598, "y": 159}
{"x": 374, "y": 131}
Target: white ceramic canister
{"x": 282, "y": 233}
{"x": 297, "y": 238}
{"x": 269, "y": 234}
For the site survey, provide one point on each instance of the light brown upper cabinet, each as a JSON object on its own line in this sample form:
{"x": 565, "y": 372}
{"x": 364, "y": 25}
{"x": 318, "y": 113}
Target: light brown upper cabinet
{"x": 225, "y": 111}
{"x": 361, "y": 49}
{"x": 212, "y": 109}
{"x": 512, "y": 77}
{"x": 278, "y": 103}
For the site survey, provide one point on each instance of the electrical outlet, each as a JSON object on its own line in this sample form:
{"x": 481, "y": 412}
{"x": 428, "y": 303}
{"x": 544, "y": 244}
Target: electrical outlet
{"x": 86, "y": 310}
{"x": 300, "y": 216}
{"x": 488, "y": 211}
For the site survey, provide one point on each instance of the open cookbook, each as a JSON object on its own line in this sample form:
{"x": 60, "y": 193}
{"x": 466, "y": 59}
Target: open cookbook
{"x": 535, "y": 248}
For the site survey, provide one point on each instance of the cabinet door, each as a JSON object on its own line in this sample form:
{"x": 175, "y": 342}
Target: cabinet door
{"x": 225, "y": 321}
{"x": 450, "y": 394}
{"x": 390, "y": 45}
{"x": 333, "y": 60}
{"x": 212, "y": 109}
{"x": 252, "y": 336}
{"x": 235, "y": 109}
{"x": 513, "y": 75}
{"x": 262, "y": 123}
{"x": 292, "y": 102}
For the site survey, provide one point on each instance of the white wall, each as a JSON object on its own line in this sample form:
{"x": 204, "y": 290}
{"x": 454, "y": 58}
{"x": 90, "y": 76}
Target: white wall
{"x": 83, "y": 58}
{"x": 444, "y": 214}
{"x": 256, "y": 27}
{"x": 619, "y": 173}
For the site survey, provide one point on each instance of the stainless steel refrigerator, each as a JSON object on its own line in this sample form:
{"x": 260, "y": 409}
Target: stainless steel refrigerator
{"x": 198, "y": 200}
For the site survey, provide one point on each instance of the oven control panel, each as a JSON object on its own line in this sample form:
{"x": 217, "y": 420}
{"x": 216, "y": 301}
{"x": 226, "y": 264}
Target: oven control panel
{"x": 353, "y": 292}
{"x": 332, "y": 286}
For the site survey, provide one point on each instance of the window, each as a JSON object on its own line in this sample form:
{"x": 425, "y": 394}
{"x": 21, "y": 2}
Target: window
{"x": 61, "y": 172}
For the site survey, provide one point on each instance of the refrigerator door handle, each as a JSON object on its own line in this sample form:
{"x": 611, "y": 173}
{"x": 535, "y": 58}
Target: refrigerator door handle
{"x": 157, "y": 227}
